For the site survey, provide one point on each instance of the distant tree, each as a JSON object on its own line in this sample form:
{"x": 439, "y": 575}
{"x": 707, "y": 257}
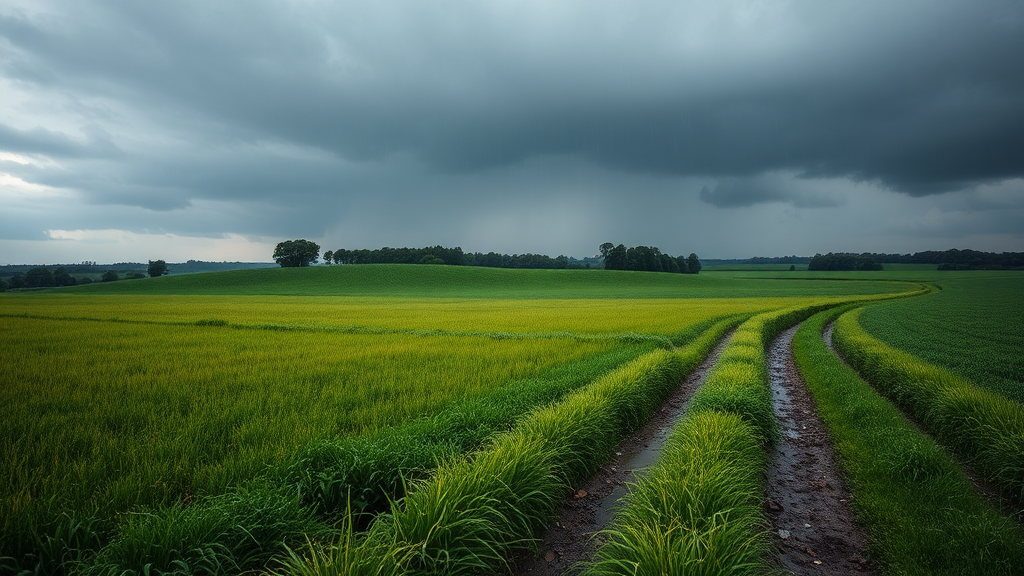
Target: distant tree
{"x": 431, "y": 259}
{"x": 62, "y": 278}
{"x": 109, "y": 276}
{"x": 85, "y": 280}
{"x": 792, "y": 267}
{"x": 606, "y": 249}
{"x": 296, "y": 253}
{"x": 134, "y": 276}
{"x": 17, "y": 281}
{"x": 693, "y": 264}
{"x": 39, "y": 278}
{"x": 328, "y": 257}
{"x": 156, "y": 268}
{"x": 683, "y": 264}
{"x": 3, "y": 285}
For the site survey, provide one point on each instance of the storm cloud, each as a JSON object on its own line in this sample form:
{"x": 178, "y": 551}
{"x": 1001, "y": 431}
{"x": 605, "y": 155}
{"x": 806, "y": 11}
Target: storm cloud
{"x": 312, "y": 118}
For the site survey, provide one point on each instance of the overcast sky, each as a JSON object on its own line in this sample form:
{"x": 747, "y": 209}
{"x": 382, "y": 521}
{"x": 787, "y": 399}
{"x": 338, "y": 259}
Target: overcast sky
{"x": 212, "y": 130}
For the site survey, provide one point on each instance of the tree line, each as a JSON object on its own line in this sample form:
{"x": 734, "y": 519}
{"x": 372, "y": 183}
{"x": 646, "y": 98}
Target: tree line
{"x": 843, "y": 261}
{"x": 647, "y": 259}
{"x": 957, "y": 259}
{"x": 43, "y": 277}
{"x": 301, "y": 252}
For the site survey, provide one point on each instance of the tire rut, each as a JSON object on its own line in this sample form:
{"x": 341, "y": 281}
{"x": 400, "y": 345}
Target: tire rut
{"x": 807, "y": 501}
{"x": 571, "y": 539}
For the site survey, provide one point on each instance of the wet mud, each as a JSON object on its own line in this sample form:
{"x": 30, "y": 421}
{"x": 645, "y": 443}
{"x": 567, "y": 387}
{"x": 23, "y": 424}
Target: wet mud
{"x": 807, "y": 502}
{"x": 589, "y": 509}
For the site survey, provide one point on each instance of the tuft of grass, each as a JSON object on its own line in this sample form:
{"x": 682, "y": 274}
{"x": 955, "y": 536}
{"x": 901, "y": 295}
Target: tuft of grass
{"x": 984, "y": 428}
{"x": 229, "y": 533}
{"x": 920, "y": 511}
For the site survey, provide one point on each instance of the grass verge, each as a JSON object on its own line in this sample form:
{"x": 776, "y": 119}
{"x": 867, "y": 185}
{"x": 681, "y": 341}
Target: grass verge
{"x": 983, "y": 428}
{"x": 900, "y": 480}
{"x": 473, "y": 512}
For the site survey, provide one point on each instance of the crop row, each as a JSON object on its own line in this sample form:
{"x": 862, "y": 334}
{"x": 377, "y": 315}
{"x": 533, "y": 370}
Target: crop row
{"x": 473, "y": 512}
{"x": 983, "y": 428}
{"x": 900, "y": 480}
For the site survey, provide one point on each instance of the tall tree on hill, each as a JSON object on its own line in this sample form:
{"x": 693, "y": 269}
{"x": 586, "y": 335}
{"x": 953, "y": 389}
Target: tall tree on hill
{"x": 296, "y": 253}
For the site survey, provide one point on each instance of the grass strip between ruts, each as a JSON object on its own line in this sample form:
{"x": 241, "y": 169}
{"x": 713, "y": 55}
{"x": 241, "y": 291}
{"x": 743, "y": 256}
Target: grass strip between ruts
{"x": 983, "y": 428}
{"x": 473, "y": 512}
{"x": 900, "y": 480}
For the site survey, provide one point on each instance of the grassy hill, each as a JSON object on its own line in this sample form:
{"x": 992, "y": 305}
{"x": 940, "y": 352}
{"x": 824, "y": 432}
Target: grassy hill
{"x": 399, "y": 280}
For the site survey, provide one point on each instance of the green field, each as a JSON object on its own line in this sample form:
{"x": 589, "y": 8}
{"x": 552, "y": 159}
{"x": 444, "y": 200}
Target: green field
{"x": 137, "y": 412}
{"x": 974, "y": 326}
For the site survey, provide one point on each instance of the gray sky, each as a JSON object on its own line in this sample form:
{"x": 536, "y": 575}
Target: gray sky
{"x": 212, "y": 130}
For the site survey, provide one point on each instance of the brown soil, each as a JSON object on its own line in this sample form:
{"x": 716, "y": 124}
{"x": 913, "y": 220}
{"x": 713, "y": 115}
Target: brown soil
{"x": 807, "y": 500}
{"x": 571, "y": 539}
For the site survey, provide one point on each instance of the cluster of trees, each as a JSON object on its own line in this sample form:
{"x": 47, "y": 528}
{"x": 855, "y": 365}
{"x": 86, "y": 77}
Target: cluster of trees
{"x": 647, "y": 259}
{"x": 43, "y": 278}
{"x": 843, "y": 261}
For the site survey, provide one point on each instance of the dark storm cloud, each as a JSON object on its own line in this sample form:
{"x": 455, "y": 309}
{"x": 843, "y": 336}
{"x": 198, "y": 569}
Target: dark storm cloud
{"x": 736, "y": 192}
{"x": 162, "y": 105}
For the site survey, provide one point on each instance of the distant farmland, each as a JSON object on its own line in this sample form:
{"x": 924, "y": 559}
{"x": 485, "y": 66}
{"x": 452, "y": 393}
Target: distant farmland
{"x": 428, "y": 419}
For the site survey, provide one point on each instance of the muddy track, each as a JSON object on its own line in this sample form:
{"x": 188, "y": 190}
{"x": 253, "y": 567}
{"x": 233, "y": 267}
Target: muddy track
{"x": 588, "y": 510}
{"x": 813, "y": 527}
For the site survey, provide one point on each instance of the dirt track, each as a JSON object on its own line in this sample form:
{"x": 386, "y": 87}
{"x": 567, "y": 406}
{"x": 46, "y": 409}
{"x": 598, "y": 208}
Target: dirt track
{"x": 806, "y": 498}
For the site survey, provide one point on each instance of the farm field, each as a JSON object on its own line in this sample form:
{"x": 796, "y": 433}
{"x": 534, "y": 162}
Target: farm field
{"x": 974, "y": 326}
{"x": 129, "y": 404}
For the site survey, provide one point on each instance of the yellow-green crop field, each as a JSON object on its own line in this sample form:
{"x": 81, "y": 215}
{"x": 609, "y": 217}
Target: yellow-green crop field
{"x": 126, "y": 398}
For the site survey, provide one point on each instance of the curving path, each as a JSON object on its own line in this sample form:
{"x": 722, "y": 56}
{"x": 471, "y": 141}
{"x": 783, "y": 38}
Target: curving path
{"x": 807, "y": 499}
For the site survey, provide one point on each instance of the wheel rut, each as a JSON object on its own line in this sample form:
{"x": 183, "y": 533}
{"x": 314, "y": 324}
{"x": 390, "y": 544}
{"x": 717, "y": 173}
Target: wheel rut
{"x": 807, "y": 501}
{"x": 571, "y": 539}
